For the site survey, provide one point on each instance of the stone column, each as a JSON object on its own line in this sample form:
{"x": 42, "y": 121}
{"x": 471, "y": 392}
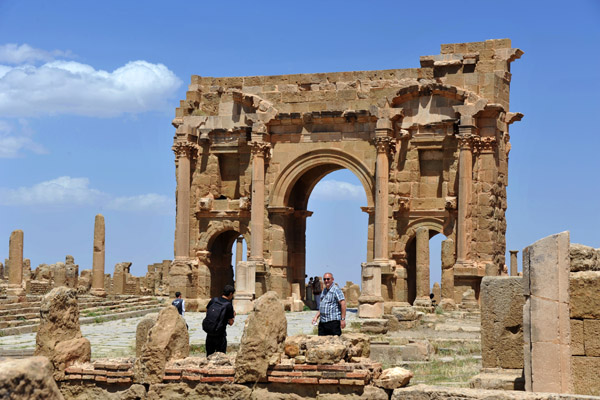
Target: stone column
{"x": 465, "y": 172}
{"x": 15, "y": 260}
{"x": 381, "y": 199}
{"x": 370, "y": 300}
{"x": 422, "y": 239}
{"x": 182, "y": 225}
{"x": 239, "y": 250}
{"x": 245, "y": 278}
{"x": 448, "y": 260}
{"x": 98, "y": 258}
{"x": 513, "y": 262}
{"x": 257, "y": 212}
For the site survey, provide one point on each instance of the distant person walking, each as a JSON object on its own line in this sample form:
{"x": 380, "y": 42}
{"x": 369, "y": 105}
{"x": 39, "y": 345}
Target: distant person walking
{"x": 332, "y": 310}
{"x": 179, "y": 303}
{"x": 317, "y": 289}
{"x": 219, "y": 314}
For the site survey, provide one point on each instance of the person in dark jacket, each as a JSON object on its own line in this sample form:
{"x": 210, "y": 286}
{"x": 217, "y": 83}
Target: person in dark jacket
{"x": 217, "y": 342}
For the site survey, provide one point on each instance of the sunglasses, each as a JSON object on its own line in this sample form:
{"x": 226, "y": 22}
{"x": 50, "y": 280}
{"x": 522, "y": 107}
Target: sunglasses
{"x": 326, "y": 279}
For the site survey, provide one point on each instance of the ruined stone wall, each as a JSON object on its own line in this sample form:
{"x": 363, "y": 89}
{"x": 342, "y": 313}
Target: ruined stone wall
{"x": 584, "y": 284}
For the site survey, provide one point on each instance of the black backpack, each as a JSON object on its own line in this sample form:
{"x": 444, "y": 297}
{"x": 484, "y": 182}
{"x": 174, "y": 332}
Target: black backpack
{"x": 178, "y": 305}
{"x": 214, "y": 322}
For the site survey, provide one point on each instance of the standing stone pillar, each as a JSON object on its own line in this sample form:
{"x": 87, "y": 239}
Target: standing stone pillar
{"x": 423, "y": 286}
{"x": 15, "y": 260}
{"x": 239, "y": 250}
{"x": 370, "y": 300}
{"x": 98, "y": 258}
{"x": 182, "y": 225}
{"x": 448, "y": 260}
{"x": 546, "y": 318}
{"x": 465, "y": 172}
{"x": 513, "y": 262}
{"x": 257, "y": 212}
{"x": 245, "y": 278}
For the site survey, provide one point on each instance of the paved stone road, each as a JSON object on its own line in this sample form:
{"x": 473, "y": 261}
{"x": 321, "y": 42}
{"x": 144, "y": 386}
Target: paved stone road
{"x": 117, "y": 338}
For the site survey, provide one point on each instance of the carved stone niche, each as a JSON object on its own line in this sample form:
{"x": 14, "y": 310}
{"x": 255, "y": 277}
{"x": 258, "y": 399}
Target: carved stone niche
{"x": 205, "y": 204}
{"x": 450, "y": 203}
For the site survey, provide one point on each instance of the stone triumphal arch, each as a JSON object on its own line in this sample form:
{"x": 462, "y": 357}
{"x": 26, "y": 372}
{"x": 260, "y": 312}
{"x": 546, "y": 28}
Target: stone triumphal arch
{"x": 429, "y": 145}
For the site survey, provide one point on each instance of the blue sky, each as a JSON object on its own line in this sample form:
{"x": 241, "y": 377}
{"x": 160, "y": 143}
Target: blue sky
{"x": 88, "y": 91}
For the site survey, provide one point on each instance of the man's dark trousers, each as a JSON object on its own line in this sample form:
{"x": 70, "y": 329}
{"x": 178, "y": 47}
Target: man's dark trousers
{"x": 330, "y": 328}
{"x": 216, "y": 343}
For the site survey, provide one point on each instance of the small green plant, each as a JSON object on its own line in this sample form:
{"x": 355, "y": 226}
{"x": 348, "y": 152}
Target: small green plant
{"x": 306, "y": 308}
{"x": 99, "y": 320}
{"x": 315, "y": 330}
{"x": 439, "y": 310}
{"x": 197, "y": 349}
{"x": 21, "y": 318}
{"x": 88, "y": 313}
{"x": 355, "y": 325}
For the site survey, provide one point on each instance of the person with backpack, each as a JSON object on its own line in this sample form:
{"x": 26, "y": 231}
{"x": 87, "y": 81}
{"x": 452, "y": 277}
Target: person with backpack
{"x": 179, "y": 303}
{"x": 219, "y": 314}
{"x": 317, "y": 289}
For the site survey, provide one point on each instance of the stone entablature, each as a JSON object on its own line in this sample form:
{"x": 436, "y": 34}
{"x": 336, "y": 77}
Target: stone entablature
{"x": 429, "y": 145}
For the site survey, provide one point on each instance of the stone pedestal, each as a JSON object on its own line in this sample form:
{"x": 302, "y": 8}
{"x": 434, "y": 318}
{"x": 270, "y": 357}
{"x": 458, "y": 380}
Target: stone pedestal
{"x": 370, "y": 302}
{"x": 245, "y": 278}
{"x": 180, "y": 278}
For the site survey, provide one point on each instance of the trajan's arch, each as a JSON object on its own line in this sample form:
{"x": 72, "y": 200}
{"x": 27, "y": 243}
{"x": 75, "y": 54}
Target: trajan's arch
{"x": 430, "y": 146}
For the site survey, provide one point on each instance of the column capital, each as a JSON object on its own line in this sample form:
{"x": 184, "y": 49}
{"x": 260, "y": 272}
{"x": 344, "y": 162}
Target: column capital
{"x": 485, "y": 144}
{"x": 383, "y": 144}
{"x": 261, "y": 149}
{"x": 465, "y": 141}
{"x": 513, "y": 251}
{"x": 183, "y": 149}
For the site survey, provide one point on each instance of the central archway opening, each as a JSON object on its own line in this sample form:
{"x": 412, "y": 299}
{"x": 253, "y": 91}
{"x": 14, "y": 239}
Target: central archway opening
{"x": 337, "y": 231}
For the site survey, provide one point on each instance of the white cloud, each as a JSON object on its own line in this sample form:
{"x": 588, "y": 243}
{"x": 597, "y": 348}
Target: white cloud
{"x": 68, "y": 191}
{"x": 12, "y": 53}
{"x": 146, "y": 202}
{"x": 12, "y": 143}
{"x": 70, "y": 87}
{"x": 337, "y": 190}
{"x": 62, "y": 190}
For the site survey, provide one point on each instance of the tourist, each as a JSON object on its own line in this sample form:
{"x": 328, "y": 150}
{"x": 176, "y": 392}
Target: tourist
{"x": 332, "y": 310}
{"x": 219, "y": 314}
{"x": 309, "y": 294}
{"x": 317, "y": 289}
{"x": 179, "y": 304}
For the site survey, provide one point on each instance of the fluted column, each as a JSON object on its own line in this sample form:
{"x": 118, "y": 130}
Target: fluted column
{"x": 182, "y": 224}
{"x": 98, "y": 257}
{"x": 465, "y": 172}
{"x": 257, "y": 213}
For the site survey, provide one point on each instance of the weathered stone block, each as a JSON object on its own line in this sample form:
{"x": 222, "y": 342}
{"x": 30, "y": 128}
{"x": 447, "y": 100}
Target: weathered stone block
{"x": 591, "y": 337}
{"x": 577, "y": 348}
{"x": 585, "y": 296}
{"x": 585, "y": 375}
{"x": 502, "y": 303}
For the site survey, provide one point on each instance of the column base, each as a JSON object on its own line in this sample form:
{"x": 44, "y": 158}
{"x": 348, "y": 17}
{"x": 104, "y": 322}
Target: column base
{"x": 448, "y": 304}
{"x": 370, "y": 307}
{"x": 422, "y": 302}
{"x": 98, "y": 292}
{"x": 243, "y": 304}
{"x": 13, "y": 290}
